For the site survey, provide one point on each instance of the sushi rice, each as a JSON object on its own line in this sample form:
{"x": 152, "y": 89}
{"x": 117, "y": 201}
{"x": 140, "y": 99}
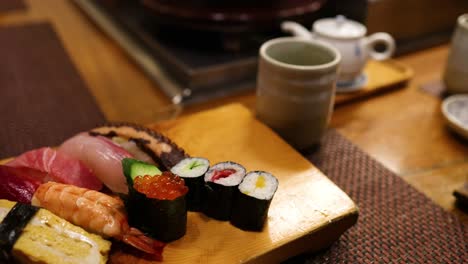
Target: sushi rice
{"x": 193, "y": 170}
{"x": 232, "y": 180}
{"x": 251, "y": 205}
{"x": 221, "y": 187}
{"x": 259, "y": 184}
{"x": 191, "y": 167}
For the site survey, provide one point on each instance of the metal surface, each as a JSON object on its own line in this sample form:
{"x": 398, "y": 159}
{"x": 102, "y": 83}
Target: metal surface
{"x": 136, "y": 51}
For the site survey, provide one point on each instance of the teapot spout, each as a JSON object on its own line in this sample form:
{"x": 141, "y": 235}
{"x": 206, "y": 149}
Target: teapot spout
{"x": 295, "y": 29}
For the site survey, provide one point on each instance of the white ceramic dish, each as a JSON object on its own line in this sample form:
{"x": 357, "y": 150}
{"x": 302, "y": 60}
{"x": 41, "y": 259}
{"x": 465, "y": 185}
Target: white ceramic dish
{"x": 352, "y": 86}
{"x": 455, "y": 111}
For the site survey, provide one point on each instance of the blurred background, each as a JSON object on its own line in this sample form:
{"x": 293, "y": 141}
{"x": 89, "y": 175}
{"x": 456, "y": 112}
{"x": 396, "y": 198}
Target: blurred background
{"x": 208, "y": 48}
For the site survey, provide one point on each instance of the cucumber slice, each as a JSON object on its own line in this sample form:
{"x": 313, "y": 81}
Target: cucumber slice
{"x": 133, "y": 168}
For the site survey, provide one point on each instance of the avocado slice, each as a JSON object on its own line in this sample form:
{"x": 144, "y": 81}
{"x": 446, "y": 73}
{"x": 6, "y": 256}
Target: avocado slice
{"x": 133, "y": 168}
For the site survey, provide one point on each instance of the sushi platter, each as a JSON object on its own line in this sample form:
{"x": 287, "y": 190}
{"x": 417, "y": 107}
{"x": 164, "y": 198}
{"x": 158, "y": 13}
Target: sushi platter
{"x": 214, "y": 187}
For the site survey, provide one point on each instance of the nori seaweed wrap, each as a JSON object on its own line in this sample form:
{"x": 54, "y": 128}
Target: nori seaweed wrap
{"x": 155, "y": 203}
{"x": 29, "y": 234}
{"x": 193, "y": 170}
{"x": 221, "y": 183}
{"x": 251, "y": 204}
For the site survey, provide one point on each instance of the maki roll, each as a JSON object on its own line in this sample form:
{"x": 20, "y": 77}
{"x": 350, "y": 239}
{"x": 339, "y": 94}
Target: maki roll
{"x": 192, "y": 171}
{"x": 156, "y": 201}
{"x": 221, "y": 183}
{"x": 250, "y": 208}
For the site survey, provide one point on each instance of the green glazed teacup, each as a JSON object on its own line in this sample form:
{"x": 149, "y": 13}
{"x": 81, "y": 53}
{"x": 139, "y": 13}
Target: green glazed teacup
{"x": 296, "y": 88}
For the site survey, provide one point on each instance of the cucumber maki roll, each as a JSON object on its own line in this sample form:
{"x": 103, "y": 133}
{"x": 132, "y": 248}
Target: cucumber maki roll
{"x": 250, "y": 208}
{"x": 156, "y": 201}
{"x": 193, "y": 170}
{"x": 221, "y": 183}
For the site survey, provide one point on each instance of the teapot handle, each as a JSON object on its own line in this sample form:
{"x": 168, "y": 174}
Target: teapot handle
{"x": 296, "y": 29}
{"x": 383, "y": 38}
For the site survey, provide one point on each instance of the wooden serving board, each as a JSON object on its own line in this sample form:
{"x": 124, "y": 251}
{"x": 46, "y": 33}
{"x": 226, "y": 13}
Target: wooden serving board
{"x": 308, "y": 212}
{"x": 381, "y": 76}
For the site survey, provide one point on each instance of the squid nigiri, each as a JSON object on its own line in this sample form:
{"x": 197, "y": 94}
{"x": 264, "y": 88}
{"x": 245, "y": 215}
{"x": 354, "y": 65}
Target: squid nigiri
{"x": 96, "y": 212}
{"x": 101, "y": 155}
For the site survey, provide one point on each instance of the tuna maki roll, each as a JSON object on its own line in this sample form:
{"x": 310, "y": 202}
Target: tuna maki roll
{"x": 156, "y": 201}
{"x": 221, "y": 183}
{"x": 250, "y": 208}
{"x": 193, "y": 170}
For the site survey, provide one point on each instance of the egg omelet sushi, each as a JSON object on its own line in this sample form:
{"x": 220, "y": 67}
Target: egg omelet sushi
{"x": 29, "y": 234}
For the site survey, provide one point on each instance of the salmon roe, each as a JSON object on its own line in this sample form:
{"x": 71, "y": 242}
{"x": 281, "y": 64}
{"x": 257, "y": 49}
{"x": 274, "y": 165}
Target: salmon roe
{"x": 167, "y": 186}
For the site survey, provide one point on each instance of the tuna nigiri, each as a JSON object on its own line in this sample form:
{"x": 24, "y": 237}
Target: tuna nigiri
{"x": 18, "y": 184}
{"x": 101, "y": 155}
{"x": 57, "y": 166}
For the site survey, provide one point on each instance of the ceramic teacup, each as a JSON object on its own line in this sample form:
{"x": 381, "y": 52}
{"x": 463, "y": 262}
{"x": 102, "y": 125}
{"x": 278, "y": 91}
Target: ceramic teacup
{"x": 456, "y": 70}
{"x": 296, "y": 87}
{"x": 349, "y": 38}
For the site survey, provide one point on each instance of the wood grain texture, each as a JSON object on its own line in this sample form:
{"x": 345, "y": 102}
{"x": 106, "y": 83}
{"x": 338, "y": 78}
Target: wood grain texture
{"x": 405, "y": 129}
{"x": 306, "y": 202}
{"x": 382, "y": 76}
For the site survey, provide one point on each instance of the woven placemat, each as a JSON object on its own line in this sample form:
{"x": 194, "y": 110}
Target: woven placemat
{"x": 397, "y": 224}
{"x": 43, "y": 99}
{"x": 11, "y": 5}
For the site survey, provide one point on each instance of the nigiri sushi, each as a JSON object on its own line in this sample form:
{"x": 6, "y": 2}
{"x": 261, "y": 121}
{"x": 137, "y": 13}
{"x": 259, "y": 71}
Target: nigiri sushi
{"x": 162, "y": 150}
{"x": 101, "y": 155}
{"x": 32, "y": 235}
{"x": 96, "y": 212}
{"x": 156, "y": 201}
{"x": 57, "y": 166}
{"x": 18, "y": 184}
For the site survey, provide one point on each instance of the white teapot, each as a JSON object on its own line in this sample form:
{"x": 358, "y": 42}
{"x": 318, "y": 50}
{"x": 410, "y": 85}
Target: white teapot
{"x": 348, "y": 37}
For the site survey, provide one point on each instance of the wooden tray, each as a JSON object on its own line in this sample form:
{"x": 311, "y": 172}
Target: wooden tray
{"x": 381, "y": 76}
{"x": 308, "y": 212}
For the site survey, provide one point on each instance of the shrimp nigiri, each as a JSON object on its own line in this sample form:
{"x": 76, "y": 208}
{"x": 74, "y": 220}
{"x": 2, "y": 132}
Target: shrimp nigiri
{"x": 94, "y": 211}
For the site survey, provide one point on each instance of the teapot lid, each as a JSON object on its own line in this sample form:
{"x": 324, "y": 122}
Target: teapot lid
{"x": 339, "y": 27}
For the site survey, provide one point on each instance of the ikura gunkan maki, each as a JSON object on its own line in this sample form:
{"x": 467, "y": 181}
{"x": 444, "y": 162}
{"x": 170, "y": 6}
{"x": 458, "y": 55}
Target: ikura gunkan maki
{"x": 221, "y": 182}
{"x": 156, "y": 201}
{"x": 192, "y": 171}
{"x": 250, "y": 208}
